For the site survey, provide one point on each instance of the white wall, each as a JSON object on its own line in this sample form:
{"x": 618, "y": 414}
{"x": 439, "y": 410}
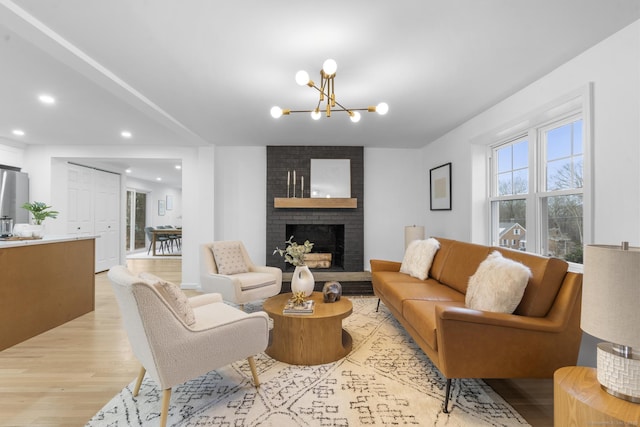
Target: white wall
{"x": 613, "y": 67}
{"x": 241, "y": 207}
{"x": 396, "y": 194}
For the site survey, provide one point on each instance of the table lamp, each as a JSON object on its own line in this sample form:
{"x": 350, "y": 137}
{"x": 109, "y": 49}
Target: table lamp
{"x": 611, "y": 311}
{"x": 411, "y": 233}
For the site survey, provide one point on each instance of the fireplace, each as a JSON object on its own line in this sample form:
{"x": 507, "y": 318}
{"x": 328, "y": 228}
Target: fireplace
{"x": 345, "y": 225}
{"x": 326, "y": 238}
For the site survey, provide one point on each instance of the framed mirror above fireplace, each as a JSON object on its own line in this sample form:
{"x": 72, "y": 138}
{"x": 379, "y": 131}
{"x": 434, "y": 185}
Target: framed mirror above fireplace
{"x": 330, "y": 178}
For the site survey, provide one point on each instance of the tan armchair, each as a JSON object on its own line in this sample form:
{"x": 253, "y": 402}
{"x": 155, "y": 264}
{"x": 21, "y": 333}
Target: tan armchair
{"x": 176, "y": 338}
{"x": 225, "y": 268}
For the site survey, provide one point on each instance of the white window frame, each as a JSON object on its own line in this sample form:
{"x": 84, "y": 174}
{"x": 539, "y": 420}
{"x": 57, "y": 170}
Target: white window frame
{"x": 575, "y": 105}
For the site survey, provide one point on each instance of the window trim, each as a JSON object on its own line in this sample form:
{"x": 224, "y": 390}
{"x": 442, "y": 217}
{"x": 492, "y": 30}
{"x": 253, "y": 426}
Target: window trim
{"x": 576, "y": 103}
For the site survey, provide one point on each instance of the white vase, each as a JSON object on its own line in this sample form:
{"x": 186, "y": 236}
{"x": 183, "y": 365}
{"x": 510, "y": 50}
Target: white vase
{"x": 302, "y": 280}
{"x": 37, "y": 230}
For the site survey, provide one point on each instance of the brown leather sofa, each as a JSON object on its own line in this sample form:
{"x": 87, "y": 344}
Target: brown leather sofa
{"x": 542, "y": 335}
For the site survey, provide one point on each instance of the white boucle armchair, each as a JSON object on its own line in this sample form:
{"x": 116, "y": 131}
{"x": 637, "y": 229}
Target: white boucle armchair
{"x": 176, "y": 338}
{"x": 225, "y": 268}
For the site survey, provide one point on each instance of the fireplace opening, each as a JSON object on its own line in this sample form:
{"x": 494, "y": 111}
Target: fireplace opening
{"x": 326, "y": 238}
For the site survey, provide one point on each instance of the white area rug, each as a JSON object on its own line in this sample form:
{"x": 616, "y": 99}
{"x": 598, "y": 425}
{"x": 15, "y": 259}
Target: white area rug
{"x": 385, "y": 380}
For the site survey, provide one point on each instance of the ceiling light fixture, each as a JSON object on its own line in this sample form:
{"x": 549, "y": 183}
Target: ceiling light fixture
{"x": 125, "y": 134}
{"x": 327, "y": 93}
{"x": 18, "y": 132}
{"x": 47, "y": 99}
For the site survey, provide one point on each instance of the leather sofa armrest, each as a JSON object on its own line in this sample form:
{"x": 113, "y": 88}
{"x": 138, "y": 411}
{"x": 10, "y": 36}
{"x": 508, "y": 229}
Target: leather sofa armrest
{"x": 382, "y": 265}
{"x": 450, "y": 315}
{"x": 477, "y": 344}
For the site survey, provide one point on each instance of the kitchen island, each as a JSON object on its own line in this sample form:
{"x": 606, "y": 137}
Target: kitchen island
{"x": 43, "y": 284}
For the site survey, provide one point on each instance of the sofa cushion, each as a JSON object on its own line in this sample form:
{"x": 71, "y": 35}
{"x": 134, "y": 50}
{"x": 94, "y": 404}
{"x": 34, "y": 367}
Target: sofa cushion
{"x": 461, "y": 263}
{"x": 229, "y": 258}
{"x": 173, "y": 295}
{"x": 497, "y": 285}
{"x": 398, "y": 287}
{"x": 418, "y": 258}
{"x": 421, "y": 315}
{"x": 544, "y": 284}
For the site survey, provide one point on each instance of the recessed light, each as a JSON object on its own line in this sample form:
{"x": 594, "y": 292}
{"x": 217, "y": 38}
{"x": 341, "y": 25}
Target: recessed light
{"x": 127, "y": 170}
{"x": 158, "y": 179}
{"x": 125, "y": 134}
{"x": 47, "y": 99}
{"x": 18, "y": 132}
{"x": 178, "y": 167}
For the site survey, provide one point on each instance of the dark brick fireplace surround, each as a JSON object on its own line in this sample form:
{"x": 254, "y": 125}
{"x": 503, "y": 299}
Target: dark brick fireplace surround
{"x": 349, "y": 256}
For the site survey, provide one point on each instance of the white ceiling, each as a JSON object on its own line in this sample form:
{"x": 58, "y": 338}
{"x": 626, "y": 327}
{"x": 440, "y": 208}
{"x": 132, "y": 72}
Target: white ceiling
{"x": 205, "y": 72}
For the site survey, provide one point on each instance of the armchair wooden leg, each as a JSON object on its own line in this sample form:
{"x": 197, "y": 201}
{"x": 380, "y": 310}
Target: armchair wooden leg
{"x": 166, "y": 396}
{"x": 136, "y": 389}
{"x": 254, "y": 372}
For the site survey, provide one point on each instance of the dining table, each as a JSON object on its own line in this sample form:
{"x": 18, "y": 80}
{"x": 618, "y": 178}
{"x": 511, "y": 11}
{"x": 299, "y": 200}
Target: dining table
{"x": 172, "y": 233}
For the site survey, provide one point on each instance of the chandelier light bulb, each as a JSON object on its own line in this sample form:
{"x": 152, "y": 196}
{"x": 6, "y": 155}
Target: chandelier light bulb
{"x": 302, "y": 77}
{"x": 354, "y": 116}
{"x": 382, "y": 108}
{"x": 315, "y": 114}
{"x": 330, "y": 67}
{"x": 276, "y": 112}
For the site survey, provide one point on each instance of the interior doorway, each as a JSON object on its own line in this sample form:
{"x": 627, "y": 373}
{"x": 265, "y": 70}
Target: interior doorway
{"x": 136, "y": 220}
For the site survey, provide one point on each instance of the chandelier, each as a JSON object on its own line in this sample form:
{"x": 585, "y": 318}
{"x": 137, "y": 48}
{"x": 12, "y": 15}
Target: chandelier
{"x": 327, "y": 95}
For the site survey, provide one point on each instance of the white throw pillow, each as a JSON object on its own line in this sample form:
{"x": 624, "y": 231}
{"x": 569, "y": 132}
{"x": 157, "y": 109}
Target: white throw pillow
{"x": 229, "y": 258}
{"x": 173, "y": 295}
{"x": 418, "y": 258}
{"x": 497, "y": 285}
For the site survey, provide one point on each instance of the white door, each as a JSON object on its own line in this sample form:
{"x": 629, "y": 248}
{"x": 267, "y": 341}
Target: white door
{"x": 107, "y": 208}
{"x": 93, "y": 208}
{"x": 80, "y": 200}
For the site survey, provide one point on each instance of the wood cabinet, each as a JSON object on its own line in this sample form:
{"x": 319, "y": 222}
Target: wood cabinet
{"x": 44, "y": 284}
{"x": 580, "y": 401}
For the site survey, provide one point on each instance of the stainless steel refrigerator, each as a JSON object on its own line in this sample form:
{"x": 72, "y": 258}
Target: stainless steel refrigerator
{"x": 14, "y": 192}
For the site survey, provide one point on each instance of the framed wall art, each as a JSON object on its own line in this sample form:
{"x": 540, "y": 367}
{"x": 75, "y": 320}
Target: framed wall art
{"x": 161, "y": 208}
{"x": 440, "y": 190}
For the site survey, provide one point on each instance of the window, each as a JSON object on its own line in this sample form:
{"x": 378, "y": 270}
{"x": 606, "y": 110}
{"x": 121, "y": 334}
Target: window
{"x": 537, "y": 187}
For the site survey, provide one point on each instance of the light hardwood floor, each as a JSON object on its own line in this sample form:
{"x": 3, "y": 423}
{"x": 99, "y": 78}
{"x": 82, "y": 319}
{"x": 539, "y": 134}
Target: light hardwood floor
{"x": 64, "y": 376}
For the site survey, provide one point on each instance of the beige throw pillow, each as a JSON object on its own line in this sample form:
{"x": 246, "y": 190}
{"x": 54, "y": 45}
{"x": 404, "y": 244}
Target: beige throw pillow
{"x": 418, "y": 258}
{"x": 229, "y": 258}
{"x": 497, "y": 285}
{"x": 174, "y": 296}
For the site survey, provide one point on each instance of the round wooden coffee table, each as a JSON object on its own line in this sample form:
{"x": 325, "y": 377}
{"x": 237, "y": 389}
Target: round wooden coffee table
{"x": 310, "y": 339}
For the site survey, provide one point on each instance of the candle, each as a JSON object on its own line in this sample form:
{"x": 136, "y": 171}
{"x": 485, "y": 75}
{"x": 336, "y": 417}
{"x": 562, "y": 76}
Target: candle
{"x": 302, "y": 186}
{"x": 288, "y": 181}
{"x": 294, "y": 183}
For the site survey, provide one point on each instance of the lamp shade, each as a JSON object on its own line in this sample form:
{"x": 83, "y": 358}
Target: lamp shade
{"x": 611, "y": 294}
{"x": 411, "y": 233}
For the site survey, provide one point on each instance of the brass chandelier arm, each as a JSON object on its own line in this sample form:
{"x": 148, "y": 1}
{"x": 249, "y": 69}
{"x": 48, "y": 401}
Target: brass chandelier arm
{"x": 327, "y": 89}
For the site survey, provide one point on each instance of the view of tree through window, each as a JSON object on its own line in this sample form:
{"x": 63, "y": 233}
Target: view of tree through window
{"x": 550, "y": 199}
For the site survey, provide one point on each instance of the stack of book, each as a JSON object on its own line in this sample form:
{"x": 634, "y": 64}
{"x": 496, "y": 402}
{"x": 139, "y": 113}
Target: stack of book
{"x": 305, "y": 308}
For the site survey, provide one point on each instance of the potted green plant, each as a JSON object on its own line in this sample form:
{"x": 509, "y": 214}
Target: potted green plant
{"x": 40, "y": 211}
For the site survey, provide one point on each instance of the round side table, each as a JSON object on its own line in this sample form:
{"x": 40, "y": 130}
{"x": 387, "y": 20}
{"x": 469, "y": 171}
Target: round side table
{"x": 580, "y": 401}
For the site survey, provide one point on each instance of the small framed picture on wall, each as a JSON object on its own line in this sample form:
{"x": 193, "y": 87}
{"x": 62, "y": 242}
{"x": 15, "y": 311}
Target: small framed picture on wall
{"x": 440, "y": 188}
{"x": 161, "y": 208}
